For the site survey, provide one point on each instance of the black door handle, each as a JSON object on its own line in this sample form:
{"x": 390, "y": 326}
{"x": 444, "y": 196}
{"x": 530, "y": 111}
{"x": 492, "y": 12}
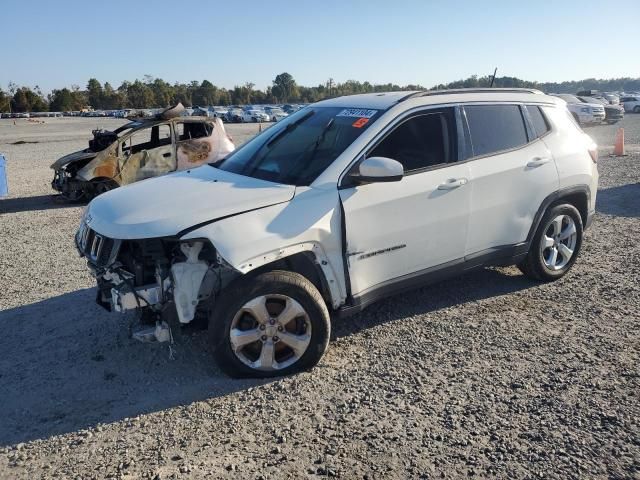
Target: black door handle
{"x": 168, "y": 154}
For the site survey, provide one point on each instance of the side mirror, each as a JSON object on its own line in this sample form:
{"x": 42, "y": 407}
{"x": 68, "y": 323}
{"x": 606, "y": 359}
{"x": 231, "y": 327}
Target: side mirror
{"x": 377, "y": 169}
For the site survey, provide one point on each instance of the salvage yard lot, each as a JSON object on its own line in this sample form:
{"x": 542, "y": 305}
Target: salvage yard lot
{"x": 487, "y": 374}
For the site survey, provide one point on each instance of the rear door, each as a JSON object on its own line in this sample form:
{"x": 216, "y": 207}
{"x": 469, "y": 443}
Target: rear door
{"x": 194, "y": 143}
{"x": 512, "y": 171}
{"x": 400, "y": 228}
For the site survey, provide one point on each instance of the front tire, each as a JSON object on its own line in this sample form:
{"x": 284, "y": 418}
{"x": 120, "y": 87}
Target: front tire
{"x": 103, "y": 185}
{"x": 636, "y": 109}
{"x": 271, "y": 325}
{"x": 555, "y": 245}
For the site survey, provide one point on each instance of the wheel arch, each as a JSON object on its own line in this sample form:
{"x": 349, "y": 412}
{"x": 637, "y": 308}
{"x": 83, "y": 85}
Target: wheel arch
{"x": 579, "y": 199}
{"x": 578, "y": 196}
{"x": 303, "y": 263}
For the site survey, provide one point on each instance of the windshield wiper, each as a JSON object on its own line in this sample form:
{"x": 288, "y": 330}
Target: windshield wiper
{"x": 287, "y": 129}
{"x": 320, "y": 139}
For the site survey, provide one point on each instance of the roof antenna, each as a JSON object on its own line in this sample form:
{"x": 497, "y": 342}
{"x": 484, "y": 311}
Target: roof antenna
{"x": 494, "y": 77}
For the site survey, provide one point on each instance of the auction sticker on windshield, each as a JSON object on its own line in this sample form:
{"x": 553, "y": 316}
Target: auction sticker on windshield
{"x": 360, "y": 122}
{"x": 357, "y": 112}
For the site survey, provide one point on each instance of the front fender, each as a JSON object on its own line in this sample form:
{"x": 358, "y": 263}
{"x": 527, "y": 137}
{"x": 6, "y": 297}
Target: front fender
{"x": 104, "y": 165}
{"x": 71, "y": 158}
{"x": 310, "y": 222}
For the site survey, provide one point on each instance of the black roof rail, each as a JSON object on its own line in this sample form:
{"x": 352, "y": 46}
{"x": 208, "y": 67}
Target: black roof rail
{"x": 411, "y": 95}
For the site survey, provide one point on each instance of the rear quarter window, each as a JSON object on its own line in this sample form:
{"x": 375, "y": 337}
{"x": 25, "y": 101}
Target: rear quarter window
{"x": 494, "y": 128}
{"x": 540, "y": 123}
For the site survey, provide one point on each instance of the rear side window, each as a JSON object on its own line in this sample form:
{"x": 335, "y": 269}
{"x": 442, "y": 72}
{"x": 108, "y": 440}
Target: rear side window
{"x": 422, "y": 141}
{"x": 191, "y": 130}
{"x": 540, "y": 124}
{"x": 495, "y": 128}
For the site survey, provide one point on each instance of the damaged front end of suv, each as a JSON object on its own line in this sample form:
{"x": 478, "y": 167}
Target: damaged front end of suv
{"x": 161, "y": 278}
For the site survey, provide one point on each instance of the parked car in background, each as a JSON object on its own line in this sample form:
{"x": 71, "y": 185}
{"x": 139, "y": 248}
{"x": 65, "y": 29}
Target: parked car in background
{"x": 221, "y": 113}
{"x": 201, "y": 112}
{"x": 339, "y": 205}
{"x": 608, "y": 98}
{"x": 613, "y": 98}
{"x": 276, "y": 114}
{"x": 583, "y": 113}
{"x": 138, "y": 150}
{"x": 254, "y": 116}
{"x": 234, "y": 115}
{"x": 631, "y": 103}
{"x": 613, "y": 113}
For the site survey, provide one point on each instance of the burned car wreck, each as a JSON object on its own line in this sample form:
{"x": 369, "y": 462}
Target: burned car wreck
{"x": 140, "y": 149}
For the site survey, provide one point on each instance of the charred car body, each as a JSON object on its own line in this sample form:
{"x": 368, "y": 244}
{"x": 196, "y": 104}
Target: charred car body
{"x": 138, "y": 150}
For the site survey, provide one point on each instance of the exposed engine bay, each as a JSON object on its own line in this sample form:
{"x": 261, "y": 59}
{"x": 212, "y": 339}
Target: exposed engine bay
{"x": 102, "y": 139}
{"x": 160, "y": 277}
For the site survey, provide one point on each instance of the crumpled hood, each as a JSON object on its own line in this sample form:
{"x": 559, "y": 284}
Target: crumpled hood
{"x": 164, "y": 206}
{"x": 72, "y": 157}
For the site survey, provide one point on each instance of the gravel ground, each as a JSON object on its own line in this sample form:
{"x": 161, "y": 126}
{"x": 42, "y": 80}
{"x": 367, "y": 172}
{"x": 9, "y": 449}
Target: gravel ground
{"x": 487, "y": 375}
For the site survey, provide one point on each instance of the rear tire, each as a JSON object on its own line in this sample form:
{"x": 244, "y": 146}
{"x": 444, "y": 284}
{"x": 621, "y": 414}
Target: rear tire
{"x": 274, "y": 324}
{"x": 555, "y": 245}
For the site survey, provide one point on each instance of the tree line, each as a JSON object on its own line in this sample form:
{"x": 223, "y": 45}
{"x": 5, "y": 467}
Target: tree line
{"x": 154, "y": 92}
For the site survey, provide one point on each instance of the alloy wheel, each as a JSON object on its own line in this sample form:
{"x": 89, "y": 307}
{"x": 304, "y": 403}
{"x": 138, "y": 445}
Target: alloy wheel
{"x": 270, "y": 332}
{"x": 558, "y": 242}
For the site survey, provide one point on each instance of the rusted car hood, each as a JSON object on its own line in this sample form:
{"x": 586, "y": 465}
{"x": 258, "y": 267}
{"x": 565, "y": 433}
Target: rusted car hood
{"x": 73, "y": 157}
{"x": 167, "y": 205}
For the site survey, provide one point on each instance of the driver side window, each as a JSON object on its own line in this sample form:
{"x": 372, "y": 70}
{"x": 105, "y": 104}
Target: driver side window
{"x": 422, "y": 141}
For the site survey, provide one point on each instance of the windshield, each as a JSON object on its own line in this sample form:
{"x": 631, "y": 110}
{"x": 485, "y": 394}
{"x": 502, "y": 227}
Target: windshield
{"x": 300, "y": 147}
{"x": 124, "y": 129}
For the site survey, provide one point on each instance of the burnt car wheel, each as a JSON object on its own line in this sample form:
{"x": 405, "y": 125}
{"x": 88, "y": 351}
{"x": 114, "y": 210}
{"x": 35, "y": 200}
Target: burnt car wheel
{"x": 75, "y": 195}
{"x": 103, "y": 185}
{"x": 271, "y": 325}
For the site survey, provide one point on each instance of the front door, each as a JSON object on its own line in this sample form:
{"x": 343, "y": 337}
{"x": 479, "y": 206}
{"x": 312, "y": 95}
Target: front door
{"x": 147, "y": 153}
{"x": 401, "y": 228}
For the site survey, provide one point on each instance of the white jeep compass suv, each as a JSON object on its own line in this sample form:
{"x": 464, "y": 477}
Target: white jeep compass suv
{"x": 341, "y": 204}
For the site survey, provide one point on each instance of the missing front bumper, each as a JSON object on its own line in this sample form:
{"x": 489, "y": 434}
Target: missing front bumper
{"x": 148, "y": 296}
